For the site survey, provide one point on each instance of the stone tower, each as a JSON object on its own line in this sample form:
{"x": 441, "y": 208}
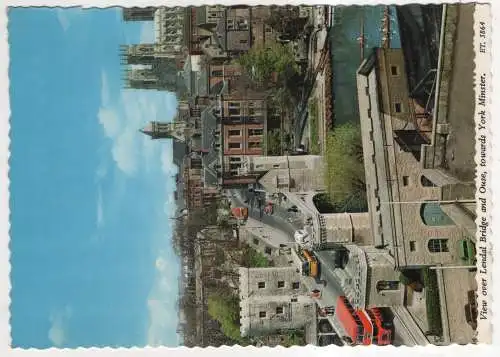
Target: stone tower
{"x": 143, "y": 54}
{"x": 139, "y": 13}
{"x": 159, "y": 130}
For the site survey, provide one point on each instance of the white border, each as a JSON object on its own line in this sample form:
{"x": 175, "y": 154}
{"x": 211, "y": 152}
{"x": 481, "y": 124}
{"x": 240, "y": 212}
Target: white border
{"x": 482, "y": 350}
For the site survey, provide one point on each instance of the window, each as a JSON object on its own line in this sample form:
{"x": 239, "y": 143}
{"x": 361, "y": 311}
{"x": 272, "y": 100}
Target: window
{"x": 234, "y": 104}
{"x": 294, "y": 299}
{"x": 253, "y": 145}
{"x": 395, "y": 70}
{"x": 255, "y": 241}
{"x": 268, "y": 250}
{"x": 255, "y": 132}
{"x": 432, "y": 215}
{"x": 243, "y": 41}
{"x": 235, "y": 145}
{"x": 276, "y": 166}
{"x": 438, "y": 245}
{"x": 234, "y": 112}
{"x": 413, "y": 246}
{"x": 217, "y": 73}
{"x": 397, "y": 107}
{"x": 281, "y": 284}
{"x": 234, "y": 132}
{"x": 405, "y": 180}
{"x": 279, "y": 310}
{"x": 262, "y": 314}
{"x": 261, "y": 284}
{"x": 425, "y": 182}
{"x": 295, "y": 285}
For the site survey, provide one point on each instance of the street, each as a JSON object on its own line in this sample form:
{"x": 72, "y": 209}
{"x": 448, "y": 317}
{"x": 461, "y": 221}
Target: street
{"x": 281, "y": 219}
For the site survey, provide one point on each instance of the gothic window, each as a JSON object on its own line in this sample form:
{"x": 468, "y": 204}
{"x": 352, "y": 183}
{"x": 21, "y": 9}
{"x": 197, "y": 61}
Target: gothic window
{"x": 438, "y": 245}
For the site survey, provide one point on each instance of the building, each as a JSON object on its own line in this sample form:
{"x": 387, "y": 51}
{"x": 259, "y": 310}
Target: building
{"x": 369, "y": 279}
{"x": 233, "y": 30}
{"x": 406, "y": 196}
{"x": 159, "y": 130}
{"x": 139, "y": 13}
{"x": 301, "y": 173}
{"x": 273, "y": 299}
{"x": 169, "y": 27}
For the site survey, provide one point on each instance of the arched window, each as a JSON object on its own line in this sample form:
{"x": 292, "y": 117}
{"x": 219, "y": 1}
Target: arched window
{"x": 437, "y": 245}
{"x": 432, "y": 215}
{"x": 425, "y": 182}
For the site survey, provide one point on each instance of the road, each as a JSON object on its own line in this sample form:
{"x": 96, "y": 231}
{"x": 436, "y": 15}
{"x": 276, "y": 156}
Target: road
{"x": 280, "y": 219}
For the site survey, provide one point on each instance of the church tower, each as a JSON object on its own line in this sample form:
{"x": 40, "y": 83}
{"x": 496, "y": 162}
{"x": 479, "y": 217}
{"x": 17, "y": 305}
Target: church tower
{"x": 159, "y": 130}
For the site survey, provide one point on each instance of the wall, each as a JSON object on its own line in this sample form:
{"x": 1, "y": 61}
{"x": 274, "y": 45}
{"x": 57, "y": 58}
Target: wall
{"x": 271, "y": 308}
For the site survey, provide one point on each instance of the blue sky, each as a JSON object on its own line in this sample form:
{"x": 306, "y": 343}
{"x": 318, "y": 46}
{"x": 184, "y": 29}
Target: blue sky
{"x": 91, "y": 256}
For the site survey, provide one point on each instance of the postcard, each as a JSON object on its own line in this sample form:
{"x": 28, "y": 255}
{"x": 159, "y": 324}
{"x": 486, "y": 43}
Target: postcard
{"x": 221, "y": 175}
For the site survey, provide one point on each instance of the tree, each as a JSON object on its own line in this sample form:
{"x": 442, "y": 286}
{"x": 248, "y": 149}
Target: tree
{"x": 261, "y": 63}
{"x": 286, "y": 21}
{"x": 225, "y": 308}
{"x": 345, "y": 174}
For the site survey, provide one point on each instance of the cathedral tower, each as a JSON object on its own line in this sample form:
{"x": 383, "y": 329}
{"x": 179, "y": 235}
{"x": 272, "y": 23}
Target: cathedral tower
{"x": 159, "y": 130}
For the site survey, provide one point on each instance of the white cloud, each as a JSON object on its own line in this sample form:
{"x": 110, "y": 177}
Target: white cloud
{"x": 147, "y": 32}
{"x": 66, "y": 16}
{"x": 59, "y": 320}
{"x": 121, "y": 119}
{"x": 167, "y": 161}
{"x": 162, "y": 301}
{"x": 63, "y": 19}
{"x": 105, "y": 95}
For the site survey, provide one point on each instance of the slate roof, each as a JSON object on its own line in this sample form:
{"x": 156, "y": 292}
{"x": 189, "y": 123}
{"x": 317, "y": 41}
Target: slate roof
{"x": 208, "y": 127}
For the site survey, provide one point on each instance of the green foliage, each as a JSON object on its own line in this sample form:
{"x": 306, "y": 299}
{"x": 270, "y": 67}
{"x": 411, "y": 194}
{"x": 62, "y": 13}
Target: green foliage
{"x": 254, "y": 259}
{"x": 273, "y": 139}
{"x": 432, "y": 302}
{"x": 261, "y": 62}
{"x": 345, "y": 173}
{"x": 295, "y": 338}
{"x": 225, "y": 309}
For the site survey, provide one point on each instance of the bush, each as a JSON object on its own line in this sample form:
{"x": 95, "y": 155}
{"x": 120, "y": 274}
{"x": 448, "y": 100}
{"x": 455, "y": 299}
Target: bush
{"x": 225, "y": 309}
{"x": 433, "y": 305}
{"x": 345, "y": 172}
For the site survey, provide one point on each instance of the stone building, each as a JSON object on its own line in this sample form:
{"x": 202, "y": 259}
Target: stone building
{"x": 169, "y": 26}
{"x": 405, "y": 197}
{"x": 273, "y": 299}
{"x": 301, "y": 173}
{"x": 369, "y": 279}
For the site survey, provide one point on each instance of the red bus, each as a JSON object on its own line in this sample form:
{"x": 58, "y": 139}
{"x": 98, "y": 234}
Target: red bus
{"x": 382, "y": 334}
{"x": 367, "y": 327}
{"x": 349, "y": 320}
{"x": 363, "y": 326}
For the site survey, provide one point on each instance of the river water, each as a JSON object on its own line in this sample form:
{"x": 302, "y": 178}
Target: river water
{"x": 346, "y": 53}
